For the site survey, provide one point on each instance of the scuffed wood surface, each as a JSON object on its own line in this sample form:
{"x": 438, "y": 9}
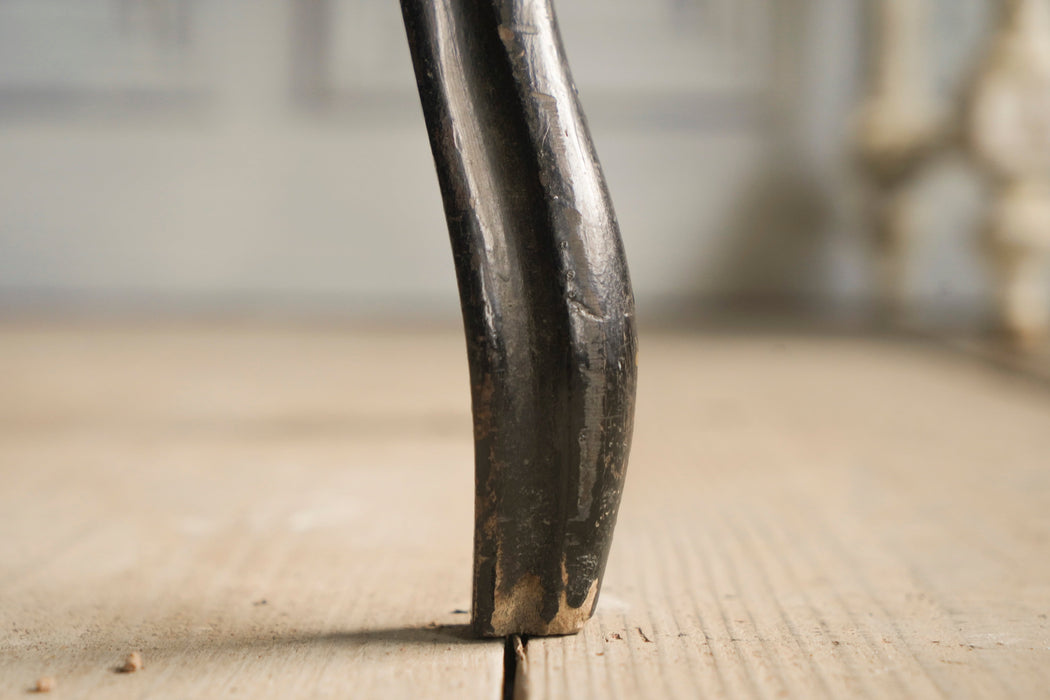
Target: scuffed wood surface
{"x": 822, "y": 518}
{"x": 804, "y": 517}
{"x": 260, "y": 514}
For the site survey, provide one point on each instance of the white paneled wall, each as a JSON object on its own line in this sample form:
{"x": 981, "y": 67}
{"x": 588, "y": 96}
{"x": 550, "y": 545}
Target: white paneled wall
{"x": 272, "y": 155}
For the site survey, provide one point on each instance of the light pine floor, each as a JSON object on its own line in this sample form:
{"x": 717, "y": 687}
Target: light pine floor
{"x": 286, "y": 512}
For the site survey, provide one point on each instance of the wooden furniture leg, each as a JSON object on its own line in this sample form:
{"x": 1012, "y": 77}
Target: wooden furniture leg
{"x": 547, "y": 306}
{"x": 1009, "y": 117}
{"x": 897, "y": 131}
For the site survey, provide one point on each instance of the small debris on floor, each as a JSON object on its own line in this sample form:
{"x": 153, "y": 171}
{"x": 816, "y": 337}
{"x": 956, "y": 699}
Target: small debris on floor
{"x": 261, "y": 601}
{"x": 132, "y": 663}
{"x": 459, "y": 611}
{"x": 644, "y": 638}
{"x": 615, "y": 635}
{"x": 44, "y": 684}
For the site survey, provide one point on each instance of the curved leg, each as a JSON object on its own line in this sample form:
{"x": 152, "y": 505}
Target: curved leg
{"x": 547, "y": 306}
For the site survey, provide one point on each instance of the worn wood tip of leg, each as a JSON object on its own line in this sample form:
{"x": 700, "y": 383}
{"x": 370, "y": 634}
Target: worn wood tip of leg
{"x": 521, "y": 611}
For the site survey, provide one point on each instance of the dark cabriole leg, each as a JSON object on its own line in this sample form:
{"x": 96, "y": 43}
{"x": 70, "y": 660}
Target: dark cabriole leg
{"x": 547, "y": 306}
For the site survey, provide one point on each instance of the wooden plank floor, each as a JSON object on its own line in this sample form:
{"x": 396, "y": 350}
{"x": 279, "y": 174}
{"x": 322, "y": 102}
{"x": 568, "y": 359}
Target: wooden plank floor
{"x": 267, "y": 512}
{"x": 259, "y": 514}
{"x": 812, "y": 517}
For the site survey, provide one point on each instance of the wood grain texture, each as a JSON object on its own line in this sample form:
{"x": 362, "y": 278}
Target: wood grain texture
{"x": 822, "y": 518}
{"x": 259, "y": 514}
{"x": 804, "y": 517}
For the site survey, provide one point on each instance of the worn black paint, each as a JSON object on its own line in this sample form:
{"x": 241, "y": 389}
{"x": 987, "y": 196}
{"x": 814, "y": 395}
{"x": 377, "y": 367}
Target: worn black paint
{"x": 547, "y": 305}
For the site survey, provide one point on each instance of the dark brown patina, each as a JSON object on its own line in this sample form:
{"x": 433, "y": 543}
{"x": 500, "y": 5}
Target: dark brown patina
{"x": 547, "y": 306}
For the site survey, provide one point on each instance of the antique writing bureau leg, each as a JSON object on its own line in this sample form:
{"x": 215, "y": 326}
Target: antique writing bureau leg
{"x": 547, "y": 306}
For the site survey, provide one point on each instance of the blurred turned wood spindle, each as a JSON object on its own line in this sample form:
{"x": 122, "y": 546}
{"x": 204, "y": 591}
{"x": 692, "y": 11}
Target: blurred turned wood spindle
{"x": 1009, "y": 129}
{"x": 897, "y": 130}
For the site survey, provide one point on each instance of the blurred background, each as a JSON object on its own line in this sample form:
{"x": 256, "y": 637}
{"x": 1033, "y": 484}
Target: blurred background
{"x": 270, "y": 157}
{"x": 235, "y": 426}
